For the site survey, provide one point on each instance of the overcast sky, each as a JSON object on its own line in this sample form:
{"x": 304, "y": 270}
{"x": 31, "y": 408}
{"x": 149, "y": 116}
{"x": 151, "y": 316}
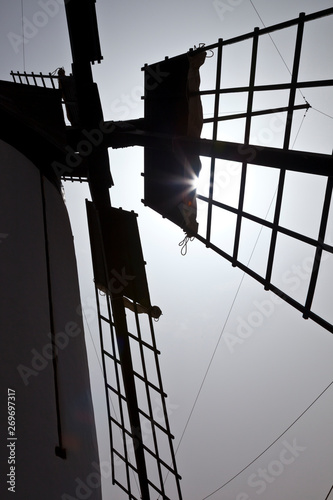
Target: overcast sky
{"x": 249, "y": 385}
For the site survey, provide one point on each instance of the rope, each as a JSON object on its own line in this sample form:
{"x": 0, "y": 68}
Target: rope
{"x": 102, "y": 372}
{"x": 329, "y": 493}
{"x": 277, "y": 49}
{"x": 268, "y": 447}
{"x": 284, "y": 62}
{"x": 201, "y": 46}
{"x": 322, "y": 113}
{"x": 22, "y": 24}
{"x": 224, "y": 326}
{"x": 56, "y": 70}
{"x": 298, "y": 131}
{"x": 184, "y": 243}
{"x": 229, "y": 312}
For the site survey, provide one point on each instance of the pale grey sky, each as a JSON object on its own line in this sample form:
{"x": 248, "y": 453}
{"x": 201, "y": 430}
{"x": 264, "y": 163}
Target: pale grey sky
{"x": 249, "y": 385}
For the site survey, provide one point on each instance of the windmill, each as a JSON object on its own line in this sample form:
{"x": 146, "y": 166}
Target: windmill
{"x": 245, "y": 153}
{"x": 118, "y": 259}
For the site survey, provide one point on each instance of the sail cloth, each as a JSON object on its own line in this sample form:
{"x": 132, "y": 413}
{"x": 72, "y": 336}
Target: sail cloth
{"x": 195, "y": 116}
{"x": 118, "y": 264}
{"x": 173, "y": 107}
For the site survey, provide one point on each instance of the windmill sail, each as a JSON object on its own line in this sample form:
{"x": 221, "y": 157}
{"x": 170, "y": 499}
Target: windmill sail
{"x": 298, "y": 167}
{"x": 229, "y": 221}
{"x": 136, "y": 401}
{"x": 141, "y": 441}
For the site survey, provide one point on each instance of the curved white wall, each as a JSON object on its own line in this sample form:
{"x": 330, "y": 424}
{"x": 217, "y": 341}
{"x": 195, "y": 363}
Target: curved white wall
{"x": 26, "y": 355}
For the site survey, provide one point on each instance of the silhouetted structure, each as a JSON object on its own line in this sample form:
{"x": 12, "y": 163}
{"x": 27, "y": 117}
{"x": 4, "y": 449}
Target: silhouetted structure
{"x": 47, "y": 151}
